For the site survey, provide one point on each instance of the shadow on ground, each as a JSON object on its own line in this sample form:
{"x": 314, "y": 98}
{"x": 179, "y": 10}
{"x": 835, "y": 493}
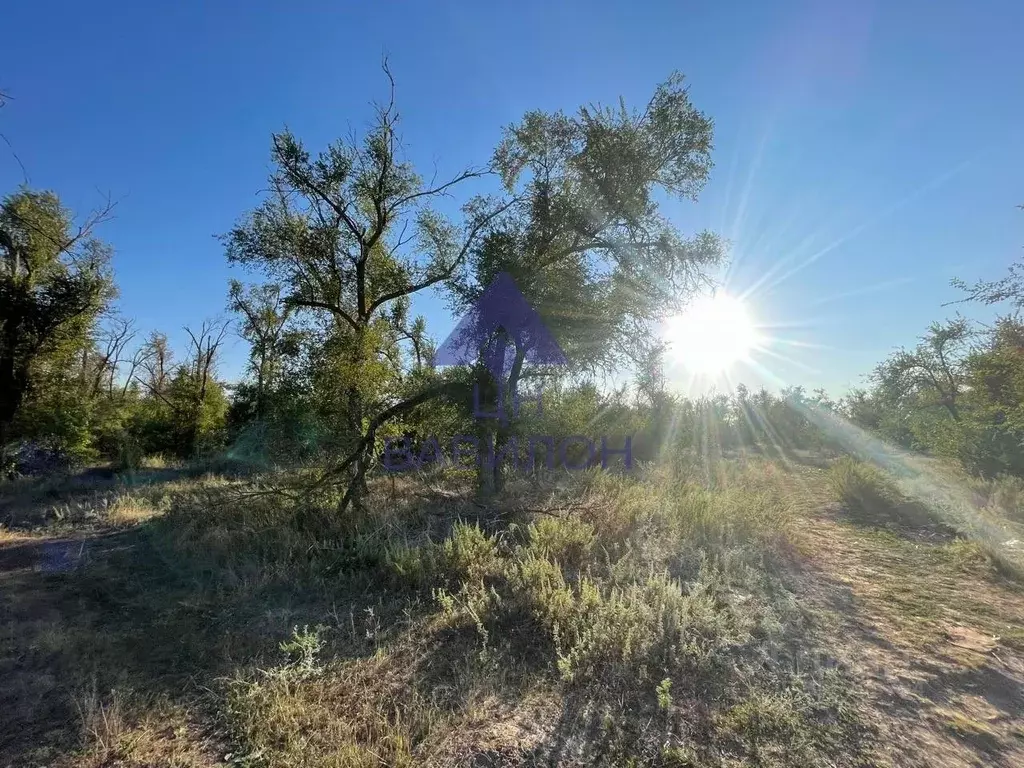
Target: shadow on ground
{"x": 924, "y": 643}
{"x": 85, "y": 616}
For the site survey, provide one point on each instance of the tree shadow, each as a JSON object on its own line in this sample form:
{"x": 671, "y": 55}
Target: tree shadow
{"x": 908, "y": 519}
{"x": 922, "y": 694}
{"x": 118, "y": 612}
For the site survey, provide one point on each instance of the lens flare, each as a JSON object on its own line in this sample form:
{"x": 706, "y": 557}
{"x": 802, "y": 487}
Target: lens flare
{"x": 713, "y": 333}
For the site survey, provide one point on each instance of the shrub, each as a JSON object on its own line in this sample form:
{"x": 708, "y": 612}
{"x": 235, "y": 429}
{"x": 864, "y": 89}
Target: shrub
{"x": 470, "y": 554}
{"x": 566, "y": 540}
{"x": 1004, "y": 495}
{"x": 415, "y": 566}
{"x": 648, "y": 629}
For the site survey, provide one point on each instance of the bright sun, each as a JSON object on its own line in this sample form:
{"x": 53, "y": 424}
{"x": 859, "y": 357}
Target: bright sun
{"x": 711, "y": 334}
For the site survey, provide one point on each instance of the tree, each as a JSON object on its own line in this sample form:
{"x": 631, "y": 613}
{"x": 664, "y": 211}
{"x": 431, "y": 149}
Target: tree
{"x": 351, "y": 235}
{"x": 198, "y": 396}
{"x": 185, "y": 409}
{"x": 109, "y": 355}
{"x": 994, "y": 440}
{"x": 932, "y": 375}
{"x": 54, "y": 282}
{"x": 584, "y": 237}
{"x": 264, "y": 317}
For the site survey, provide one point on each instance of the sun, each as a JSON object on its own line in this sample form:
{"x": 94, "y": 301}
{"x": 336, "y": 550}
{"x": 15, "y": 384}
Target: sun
{"x": 711, "y": 335}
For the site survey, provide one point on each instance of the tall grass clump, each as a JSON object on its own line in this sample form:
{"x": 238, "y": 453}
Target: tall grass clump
{"x": 861, "y": 487}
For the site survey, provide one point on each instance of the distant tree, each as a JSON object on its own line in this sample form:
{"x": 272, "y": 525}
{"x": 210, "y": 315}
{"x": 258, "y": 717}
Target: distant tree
{"x": 78, "y": 394}
{"x": 54, "y": 282}
{"x": 185, "y": 408}
{"x": 263, "y": 316}
{"x": 933, "y": 373}
{"x": 110, "y": 354}
{"x": 197, "y": 394}
{"x": 156, "y": 362}
{"x": 994, "y": 438}
{"x": 861, "y": 409}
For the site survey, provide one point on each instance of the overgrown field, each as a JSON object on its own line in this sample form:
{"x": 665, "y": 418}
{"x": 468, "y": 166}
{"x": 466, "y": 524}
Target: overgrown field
{"x": 769, "y": 613}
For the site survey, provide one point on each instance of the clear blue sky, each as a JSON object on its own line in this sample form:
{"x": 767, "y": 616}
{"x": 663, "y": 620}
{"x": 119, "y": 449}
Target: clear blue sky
{"x": 877, "y": 146}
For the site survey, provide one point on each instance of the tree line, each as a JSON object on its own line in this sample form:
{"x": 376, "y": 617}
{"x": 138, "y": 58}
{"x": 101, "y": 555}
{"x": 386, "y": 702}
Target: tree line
{"x": 569, "y": 204}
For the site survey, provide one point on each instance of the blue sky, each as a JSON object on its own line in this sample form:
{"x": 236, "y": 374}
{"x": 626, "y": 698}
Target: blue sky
{"x": 865, "y": 152}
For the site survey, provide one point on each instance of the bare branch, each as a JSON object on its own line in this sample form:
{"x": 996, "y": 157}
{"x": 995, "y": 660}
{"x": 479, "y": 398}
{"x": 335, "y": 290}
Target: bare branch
{"x": 448, "y": 271}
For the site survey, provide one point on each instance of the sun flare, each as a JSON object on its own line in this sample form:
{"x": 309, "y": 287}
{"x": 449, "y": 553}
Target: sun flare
{"x": 712, "y": 334}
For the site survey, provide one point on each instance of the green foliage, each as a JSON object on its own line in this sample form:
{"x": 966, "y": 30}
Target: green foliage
{"x": 957, "y": 395}
{"x": 664, "y": 694}
{"x": 304, "y": 649}
{"x": 54, "y": 283}
{"x": 566, "y": 540}
{"x": 469, "y": 554}
{"x": 624, "y": 632}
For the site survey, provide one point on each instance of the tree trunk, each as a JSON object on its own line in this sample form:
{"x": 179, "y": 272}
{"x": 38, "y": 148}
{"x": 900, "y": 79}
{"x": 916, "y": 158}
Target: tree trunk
{"x": 493, "y": 477}
{"x": 358, "y": 488}
{"x": 13, "y": 382}
{"x": 367, "y": 445}
{"x": 4, "y": 431}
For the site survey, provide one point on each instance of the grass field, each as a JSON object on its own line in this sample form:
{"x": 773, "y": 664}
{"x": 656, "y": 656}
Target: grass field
{"x": 786, "y": 612}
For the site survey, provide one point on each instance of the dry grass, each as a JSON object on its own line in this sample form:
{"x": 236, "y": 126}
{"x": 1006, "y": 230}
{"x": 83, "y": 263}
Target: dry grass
{"x": 593, "y": 619}
{"x": 13, "y": 537}
{"x": 128, "y": 509}
{"x": 120, "y": 731}
{"x": 104, "y": 730}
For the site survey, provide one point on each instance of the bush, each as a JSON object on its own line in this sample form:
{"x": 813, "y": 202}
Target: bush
{"x": 660, "y": 599}
{"x": 567, "y": 540}
{"x": 33, "y": 458}
{"x": 1003, "y": 495}
{"x": 469, "y": 554}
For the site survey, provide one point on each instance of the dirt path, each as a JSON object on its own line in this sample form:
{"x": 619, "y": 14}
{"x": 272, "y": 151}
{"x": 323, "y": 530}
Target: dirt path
{"x": 936, "y": 643}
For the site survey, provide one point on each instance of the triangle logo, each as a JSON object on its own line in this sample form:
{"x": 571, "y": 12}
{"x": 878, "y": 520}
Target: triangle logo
{"x": 500, "y": 322}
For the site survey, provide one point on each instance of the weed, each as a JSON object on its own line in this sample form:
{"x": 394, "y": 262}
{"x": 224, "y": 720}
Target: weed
{"x": 664, "y": 694}
{"x": 303, "y": 650}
